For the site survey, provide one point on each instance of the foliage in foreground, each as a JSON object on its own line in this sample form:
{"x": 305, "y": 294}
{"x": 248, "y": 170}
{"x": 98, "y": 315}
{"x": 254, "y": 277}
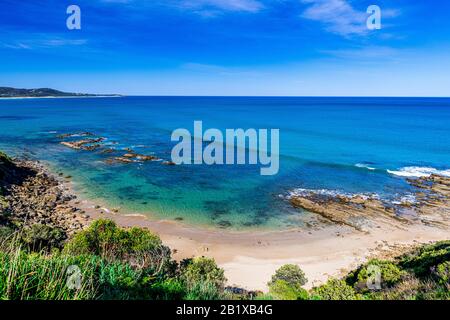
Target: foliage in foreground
{"x": 104, "y": 262}
{"x": 109, "y": 262}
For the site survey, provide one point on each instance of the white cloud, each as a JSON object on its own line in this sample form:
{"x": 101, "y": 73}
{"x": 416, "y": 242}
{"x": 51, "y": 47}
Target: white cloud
{"x": 338, "y": 16}
{"x": 205, "y": 8}
{"x": 226, "y": 5}
{"x": 370, "y": 53}
{"x": 44, "y": 43}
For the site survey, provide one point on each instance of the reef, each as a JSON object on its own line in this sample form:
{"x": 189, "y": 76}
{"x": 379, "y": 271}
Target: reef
{"x": 431, "y": 205}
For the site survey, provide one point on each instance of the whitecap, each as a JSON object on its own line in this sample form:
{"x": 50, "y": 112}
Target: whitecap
{"x": 331, "y": 193}
{"x": 363, "y": 165}
{"x": 419, "y": 172}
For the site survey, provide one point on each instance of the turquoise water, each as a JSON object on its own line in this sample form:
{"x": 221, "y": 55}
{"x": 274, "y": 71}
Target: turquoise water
{"x": 342, "y": 145}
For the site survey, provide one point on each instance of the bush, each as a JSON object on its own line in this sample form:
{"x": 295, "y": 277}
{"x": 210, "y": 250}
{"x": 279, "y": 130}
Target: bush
{"x": 138, "y": 246}
{"x": 4, "y": 158}
{"x": 422, "y": 260}
{"x": 335, "y": 290}
{"x": 291, "y": 274}
{"x": 203, "y": 270}
{"x": 34, "y": 276}
{"x": 443, "y": 273}
{"x": 5, "y": 162}
{"x": 282, "y": 290}
{"x": 41, "y": 237}
{"x": 390, "y": 274}
{"x": 5, "y": 233}
{"x": 204, "y": 290}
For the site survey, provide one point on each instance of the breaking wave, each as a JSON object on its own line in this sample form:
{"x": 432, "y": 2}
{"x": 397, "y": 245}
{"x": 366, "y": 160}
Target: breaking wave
{"x": 364, "y": 165}
{"x": 419, "y": 172}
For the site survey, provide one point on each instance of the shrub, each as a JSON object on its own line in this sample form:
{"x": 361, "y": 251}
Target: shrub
{"x": 203, "y": 270}
{"x": 41, "y": 237}
{"x": 282, "y": 290}
{"x": 422, "y": 260}
{"x": 5, "y": 162}
{"x": 443, "y": 273}
{"x": 169, "y": 289}
{"x": 204, "y": 290}
{"x": 390, "y": 274}
{"x": 335, "y": 290}
{"x": 138, "y": 246}
{"x": 5, "y": 233}
{"x": 4, "y": 158}
{"x": 291, "y": 274}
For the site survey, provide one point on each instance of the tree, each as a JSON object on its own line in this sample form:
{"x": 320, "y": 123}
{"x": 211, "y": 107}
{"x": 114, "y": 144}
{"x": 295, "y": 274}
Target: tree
{"x": 290, "y": 273}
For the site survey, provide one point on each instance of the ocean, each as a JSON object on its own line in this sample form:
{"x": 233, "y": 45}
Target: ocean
{"x": 327, "y": 145}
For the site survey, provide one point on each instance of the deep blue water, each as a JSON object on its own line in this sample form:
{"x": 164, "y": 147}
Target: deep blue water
{"x": 337, "y": 144}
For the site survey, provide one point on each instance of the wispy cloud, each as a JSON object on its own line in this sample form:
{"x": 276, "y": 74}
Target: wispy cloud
{"x": 369, "y": 53}
{"x": 337, "y": 16}
{"x": 28, "y": 44}
{"x": 206, "y": 8}
{"x": 225, "y": 5}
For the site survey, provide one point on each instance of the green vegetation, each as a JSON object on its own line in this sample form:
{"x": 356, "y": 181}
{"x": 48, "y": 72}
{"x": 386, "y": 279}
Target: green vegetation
{"x": 7, "y": 92}
{"x": 335, "y": 289}
{"x": 282, "y": 290}
{"x": 291, "y": 274}
{"x": 105, "y": 239}
{"x": 4, "y": 158}
{"x": 39, "y": 237}
{"x": 287, "y": 282}
{"x": 115, "y": 263}
{"x": 422, "y": 274}
{"x": 390, "y": 274}
{"x": 5, "y": 165}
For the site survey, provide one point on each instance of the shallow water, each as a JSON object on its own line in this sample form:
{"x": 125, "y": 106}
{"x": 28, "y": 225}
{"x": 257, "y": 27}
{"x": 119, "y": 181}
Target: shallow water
{"x": 344, "y": 145}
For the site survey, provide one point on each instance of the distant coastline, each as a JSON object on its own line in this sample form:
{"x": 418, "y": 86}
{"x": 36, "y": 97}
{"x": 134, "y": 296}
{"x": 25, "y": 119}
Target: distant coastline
{"x": 15, "y": 93}
{"x": 63, "y": 97}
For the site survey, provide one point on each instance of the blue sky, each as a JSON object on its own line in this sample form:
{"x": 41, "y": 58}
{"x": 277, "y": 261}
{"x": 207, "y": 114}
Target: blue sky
{"x": 228, "y": 47}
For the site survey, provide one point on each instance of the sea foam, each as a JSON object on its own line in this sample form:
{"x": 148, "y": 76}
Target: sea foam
{"x": 330, "y": 193}
{"x": 419, "y": 172}
{"x": 366, "y": 166}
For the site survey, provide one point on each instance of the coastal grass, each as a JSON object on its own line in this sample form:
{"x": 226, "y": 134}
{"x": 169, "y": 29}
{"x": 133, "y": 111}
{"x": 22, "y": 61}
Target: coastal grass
{"x": 100, "y": 271}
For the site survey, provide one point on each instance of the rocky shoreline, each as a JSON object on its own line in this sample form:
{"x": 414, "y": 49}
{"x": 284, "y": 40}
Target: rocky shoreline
{"x": 32, "y": 195}
{"x": 431, "y": 206}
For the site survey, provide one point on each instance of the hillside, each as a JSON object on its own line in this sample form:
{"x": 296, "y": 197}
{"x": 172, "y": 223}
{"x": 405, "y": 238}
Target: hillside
{"x": 7, "y": 92}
